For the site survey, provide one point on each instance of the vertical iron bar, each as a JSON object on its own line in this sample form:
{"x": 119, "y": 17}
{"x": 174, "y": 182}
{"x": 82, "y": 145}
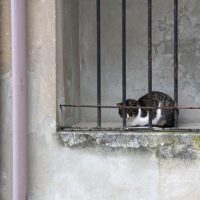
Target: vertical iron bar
{"x": 124, "y": 59}
{"x": 98, "y": 10}
{"x": 150, "y": 59}
{"x": 176, "y": 62}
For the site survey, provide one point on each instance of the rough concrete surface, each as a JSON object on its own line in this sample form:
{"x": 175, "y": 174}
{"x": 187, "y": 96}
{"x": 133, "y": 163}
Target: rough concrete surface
{"x": 5, "y": 102}
{"x": 95, "y": 172}
{"x": 5, "y": 137}
{"x": 5, "y": 36}
{"x": 163, "y": 144}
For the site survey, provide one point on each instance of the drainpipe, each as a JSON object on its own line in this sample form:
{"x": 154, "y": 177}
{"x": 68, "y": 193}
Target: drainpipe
{"x": 19, "y": 70}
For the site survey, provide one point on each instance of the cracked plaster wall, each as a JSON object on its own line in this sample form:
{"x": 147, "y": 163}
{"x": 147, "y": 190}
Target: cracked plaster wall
{"x": 57, "y": 173}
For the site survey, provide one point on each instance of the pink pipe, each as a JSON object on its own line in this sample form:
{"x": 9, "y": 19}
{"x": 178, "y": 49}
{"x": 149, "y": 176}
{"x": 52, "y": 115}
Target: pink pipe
{"x": 19, "y": 70}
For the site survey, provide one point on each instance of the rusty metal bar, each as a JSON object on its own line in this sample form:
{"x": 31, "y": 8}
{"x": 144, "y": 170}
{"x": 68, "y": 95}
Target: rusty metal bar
{"x": 98, "y": 10}
{"x": 124, "y": 59}
{"x": 127, "y": 107}
{"x": 150, "y": 60}
{"x": 176, "y": 61}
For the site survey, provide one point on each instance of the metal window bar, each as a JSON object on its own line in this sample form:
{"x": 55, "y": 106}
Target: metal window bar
{"x": 176, "y": 62}
{"x": 124, "y": 60}
{"x": 98, "y": 15}
{"x": 150, "y": 60}
{"x": 127, "y": 107}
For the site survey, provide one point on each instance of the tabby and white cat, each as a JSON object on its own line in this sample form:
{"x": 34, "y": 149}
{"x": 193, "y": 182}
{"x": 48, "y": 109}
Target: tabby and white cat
{"x": 140, "y": 116}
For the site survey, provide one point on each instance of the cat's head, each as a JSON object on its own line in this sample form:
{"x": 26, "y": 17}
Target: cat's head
{"x": 130, "y": 112}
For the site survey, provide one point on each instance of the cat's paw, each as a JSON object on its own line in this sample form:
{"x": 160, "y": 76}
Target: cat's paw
{"x": 161, "y": 123}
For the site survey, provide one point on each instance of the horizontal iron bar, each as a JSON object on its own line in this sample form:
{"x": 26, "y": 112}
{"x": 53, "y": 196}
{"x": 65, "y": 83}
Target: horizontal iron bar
{"x": 127, "y": 107}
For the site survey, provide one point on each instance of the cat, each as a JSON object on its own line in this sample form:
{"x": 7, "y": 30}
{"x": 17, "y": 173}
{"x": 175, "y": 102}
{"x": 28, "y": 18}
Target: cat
{"x": 140, "y": 116}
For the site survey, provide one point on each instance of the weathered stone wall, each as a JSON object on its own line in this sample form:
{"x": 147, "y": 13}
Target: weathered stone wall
{"x": 93, "y": 172}
{"x": 5, "y": 102}
{"x": 42, "y": 99}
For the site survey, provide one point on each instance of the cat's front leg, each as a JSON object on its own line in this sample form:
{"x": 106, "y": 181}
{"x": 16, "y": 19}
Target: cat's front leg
{"x": 131, "y": 123}
{"x": 161, "y": 123}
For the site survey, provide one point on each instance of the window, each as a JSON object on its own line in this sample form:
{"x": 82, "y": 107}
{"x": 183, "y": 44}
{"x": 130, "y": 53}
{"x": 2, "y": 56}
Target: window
{"x": 114, "y": 50}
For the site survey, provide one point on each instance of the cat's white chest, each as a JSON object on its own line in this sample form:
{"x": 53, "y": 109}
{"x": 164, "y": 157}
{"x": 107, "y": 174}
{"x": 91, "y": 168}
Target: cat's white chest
{"x": 143, "y": 121}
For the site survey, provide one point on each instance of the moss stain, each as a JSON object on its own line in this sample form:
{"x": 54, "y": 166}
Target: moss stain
{"x": 196, "y": 140}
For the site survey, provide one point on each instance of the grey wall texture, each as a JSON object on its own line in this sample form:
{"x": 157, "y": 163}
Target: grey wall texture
{"x": 68, "y": 62}
{"x": 5, "y": 102}
{"x": 189, "y": 58}
{"x": 57, "y": 173}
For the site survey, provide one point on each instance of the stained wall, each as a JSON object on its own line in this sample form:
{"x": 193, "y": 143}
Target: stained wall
{"x": 5, "y": 102}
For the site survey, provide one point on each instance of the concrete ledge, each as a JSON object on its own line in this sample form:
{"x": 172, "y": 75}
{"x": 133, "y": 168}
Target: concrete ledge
{"x": 164, "y": 144}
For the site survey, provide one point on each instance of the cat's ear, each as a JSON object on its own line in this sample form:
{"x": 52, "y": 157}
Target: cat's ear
{"x": 119, "y": 104}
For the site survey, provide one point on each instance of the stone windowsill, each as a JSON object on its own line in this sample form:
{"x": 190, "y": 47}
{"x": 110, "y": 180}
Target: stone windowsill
{"x": 167, "y": 144}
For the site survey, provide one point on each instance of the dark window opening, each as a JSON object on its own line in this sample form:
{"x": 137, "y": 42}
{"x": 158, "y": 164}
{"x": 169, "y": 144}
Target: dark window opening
{"x": 99, "y": 107}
